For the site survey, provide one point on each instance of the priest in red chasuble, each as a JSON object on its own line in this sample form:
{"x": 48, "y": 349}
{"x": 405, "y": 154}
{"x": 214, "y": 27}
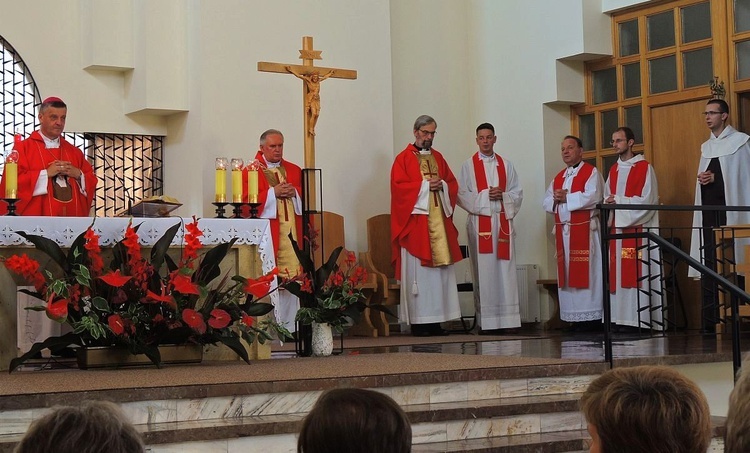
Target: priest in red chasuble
{"x": 572, "y": 198}
{"x": 632, "y": 180}
{"x": 279, "y": 189}
{"x": 423, "y": 238}
{"x": 54, "y": 177}
{"x": 489, "y": 190}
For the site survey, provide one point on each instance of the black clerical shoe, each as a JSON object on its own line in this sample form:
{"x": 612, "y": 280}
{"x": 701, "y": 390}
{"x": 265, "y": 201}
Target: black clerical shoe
{"x": 436, "y": 330}
{"x": 490, "y": 331}
{"x": 420, "y": 330}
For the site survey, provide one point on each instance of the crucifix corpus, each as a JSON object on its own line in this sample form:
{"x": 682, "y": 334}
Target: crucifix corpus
{"x": 312, "y": 76}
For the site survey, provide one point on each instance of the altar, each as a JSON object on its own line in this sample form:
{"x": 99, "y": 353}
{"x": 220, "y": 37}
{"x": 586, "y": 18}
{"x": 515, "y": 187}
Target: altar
{"x": 251, "y": 256}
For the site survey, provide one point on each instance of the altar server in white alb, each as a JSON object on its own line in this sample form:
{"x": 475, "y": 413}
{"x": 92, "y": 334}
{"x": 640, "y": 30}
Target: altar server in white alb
{"x": 572, "y": 198}
{"x": 634, "y": 270}
{"x": 490, "y": 192}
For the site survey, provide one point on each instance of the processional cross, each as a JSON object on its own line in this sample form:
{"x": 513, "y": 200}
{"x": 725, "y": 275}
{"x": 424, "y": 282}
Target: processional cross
{"x": 312, "y": 76}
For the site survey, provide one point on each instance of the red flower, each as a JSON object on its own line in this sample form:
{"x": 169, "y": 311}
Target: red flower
{"x": 26, "y": 267}
{"x": 131, "y": 243}
{"x": 57, "y": 309}
{"x": 219, "y": 318}
{"x": 261, "y": 286}
{"x": 194, "y": 319}
{"x": 192, "y": 243}
{"x": 95, "y": 252}
{"x": 115, "y": 278}
{"x": 117, "y": 324}
{"x": 306, "y": 284}
{"x": 182, "y": 284}
{"x": 247, "y": 320}
{"x": 163, "y": 298}
{"x": 351, "y": 258}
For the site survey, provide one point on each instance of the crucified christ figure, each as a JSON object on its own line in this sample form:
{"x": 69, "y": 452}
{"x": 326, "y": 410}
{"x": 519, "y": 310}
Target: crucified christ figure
{"x": 312, "y": 101}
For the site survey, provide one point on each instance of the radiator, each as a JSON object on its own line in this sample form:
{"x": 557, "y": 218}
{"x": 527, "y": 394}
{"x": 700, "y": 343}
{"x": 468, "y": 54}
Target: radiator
{"x": 528, "y": 292}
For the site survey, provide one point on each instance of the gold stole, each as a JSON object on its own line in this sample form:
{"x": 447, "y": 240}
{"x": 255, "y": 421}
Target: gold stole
{"x": 286, "y": 259}
{"x": 441, "y": 255}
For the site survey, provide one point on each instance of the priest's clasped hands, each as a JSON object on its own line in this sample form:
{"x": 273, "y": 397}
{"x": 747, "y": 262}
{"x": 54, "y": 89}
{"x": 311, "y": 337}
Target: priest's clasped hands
{"x": 284, "y": 190}
{"x": 560, "y": 196}
{"x": 705, "y": 177}
{"x": 436, "y": 184}
{"x": 495, "y": 193}
{"x": 63, "y": 167}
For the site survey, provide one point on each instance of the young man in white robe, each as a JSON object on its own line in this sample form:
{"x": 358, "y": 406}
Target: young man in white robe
{"x": 572, "y": 198}
{"x": 722, "y": 181}
{"x": 632, "y": 180}
{"x": 489, "y": 190}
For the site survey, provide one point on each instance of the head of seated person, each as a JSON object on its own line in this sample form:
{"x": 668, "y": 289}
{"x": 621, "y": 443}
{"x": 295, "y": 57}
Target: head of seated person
{"x": 91, "y": 427}
{"x": 646, "y": 409}
{"x": 355, "y": 421}
{"x": 737, "y": 436}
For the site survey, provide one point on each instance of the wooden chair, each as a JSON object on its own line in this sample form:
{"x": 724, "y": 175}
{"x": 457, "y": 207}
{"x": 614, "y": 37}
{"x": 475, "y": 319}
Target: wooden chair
{"x": 377, "y": 261}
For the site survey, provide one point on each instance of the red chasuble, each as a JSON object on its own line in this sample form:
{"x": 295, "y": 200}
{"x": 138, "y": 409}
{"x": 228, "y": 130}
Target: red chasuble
{"x": 580, "y": 232}
{"x": 293, "y": 177}
{"x": 629, "y": 268}
{"x": 411, "y": 231}
{"x": 485, "y": 222}
{"x": 33, "y": 157}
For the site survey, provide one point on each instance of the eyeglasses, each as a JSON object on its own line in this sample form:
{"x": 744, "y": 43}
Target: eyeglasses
{"x": 712, "y": 113}
{"x": 424, "y": 132}
{"x": 618, "y": 140}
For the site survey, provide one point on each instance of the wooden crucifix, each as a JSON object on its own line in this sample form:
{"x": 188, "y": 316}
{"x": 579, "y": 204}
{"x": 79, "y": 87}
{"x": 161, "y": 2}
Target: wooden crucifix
{"x": 312, "y": 76}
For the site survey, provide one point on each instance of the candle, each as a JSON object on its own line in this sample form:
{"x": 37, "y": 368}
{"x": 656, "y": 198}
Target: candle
{"x": 221, "y": 179}
{"x": 252, "y": 185}
{"x": 11, "y": 172}
{"x": 237, "y": 180}
{"x": 11, "y": 180}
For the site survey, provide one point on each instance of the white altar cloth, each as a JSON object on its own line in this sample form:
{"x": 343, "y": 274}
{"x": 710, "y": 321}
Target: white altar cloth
{"x": 64, "y": 230}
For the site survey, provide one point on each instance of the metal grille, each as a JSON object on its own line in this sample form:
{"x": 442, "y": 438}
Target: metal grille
{"x": 129, "y": 167}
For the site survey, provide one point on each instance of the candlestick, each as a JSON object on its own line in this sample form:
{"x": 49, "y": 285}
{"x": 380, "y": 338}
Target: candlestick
{"x": 11, "y": 174}
{"x": 252, "y": 186}
{"x": 221, "y": 179}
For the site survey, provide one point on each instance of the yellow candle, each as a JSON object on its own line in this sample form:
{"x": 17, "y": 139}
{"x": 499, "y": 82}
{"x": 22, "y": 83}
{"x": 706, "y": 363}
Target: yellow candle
{"x": 252, "y": 186}
{"x": 221, "y": 185}
{"x": 237, "y": 186}
{"x": 11, "y": 180}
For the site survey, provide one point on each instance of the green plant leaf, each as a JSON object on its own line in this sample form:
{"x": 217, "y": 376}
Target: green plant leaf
{"x": 160, "y": 249}
{"x": 52, "y": 343}
{"x": 257, "y": 308}
{"x": 209, "y": 266}
{"x": 233, "y": 342}
{"x": 77, "y": 253}
{"x": 100, "y": 304}
{"x": 49, "y": 247}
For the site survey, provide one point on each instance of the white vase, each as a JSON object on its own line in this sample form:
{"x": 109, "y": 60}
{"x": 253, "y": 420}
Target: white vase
{"x": 322, "y": 339}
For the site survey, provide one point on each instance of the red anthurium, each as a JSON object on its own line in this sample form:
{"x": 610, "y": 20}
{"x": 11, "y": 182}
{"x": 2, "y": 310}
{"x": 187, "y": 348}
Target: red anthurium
{"x": 57, "y": 309}
{"x": 219, "y": 318}
{"x": 182, "y": 284}
{"x": 194, "y": 320}
{"x": 260, "y": 287}
{"x": 115, "y": 278}
{"x": 164, "y": 298}
{"x": 117, "y": 324}
{"x": 247, "y": 320}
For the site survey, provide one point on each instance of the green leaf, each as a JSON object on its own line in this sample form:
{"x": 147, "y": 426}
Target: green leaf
{"x": 36, "y": 308}
{"x": 49, "y": 247}
{"x": 51, "y": 343}
{"x": 209, "y": 265}
{"x": 160, "y": 249}
{"x": 233, "y": 342}
{"x": 100, "y": 304}
{"x": 304, "y": 258}
{"x": 257, "y": 309}
{"x": 77, "y": 253}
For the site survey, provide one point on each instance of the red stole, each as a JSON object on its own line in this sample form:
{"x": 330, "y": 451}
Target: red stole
{"x": 580, "y": 234}
{"x": 485, "y": 222}
{"x": 629, "y": 269}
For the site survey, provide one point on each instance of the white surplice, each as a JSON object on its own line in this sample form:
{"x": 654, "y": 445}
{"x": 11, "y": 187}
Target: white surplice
{"x": 495, "y": 281}
{"x": 626, "y": 303}
{"x": 580, "y": 304}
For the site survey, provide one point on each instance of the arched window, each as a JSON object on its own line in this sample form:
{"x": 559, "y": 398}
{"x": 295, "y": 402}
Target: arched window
{"x": 129, "y": 167}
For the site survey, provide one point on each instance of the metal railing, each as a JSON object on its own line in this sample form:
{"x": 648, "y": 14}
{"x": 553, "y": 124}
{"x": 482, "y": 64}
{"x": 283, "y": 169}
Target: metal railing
{"x": 738, "y": 295}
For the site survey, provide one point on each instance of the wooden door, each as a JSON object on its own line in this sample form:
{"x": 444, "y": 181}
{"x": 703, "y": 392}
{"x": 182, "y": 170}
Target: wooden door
{"x": 677, "y": 132}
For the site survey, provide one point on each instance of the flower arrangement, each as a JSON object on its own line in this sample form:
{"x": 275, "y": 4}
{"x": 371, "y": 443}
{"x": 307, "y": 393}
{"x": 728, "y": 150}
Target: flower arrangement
{"x": 141, "y": 303}
{"x": 332, "y": 293}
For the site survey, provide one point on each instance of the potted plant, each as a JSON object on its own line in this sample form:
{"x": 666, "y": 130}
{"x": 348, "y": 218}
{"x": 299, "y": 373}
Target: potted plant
{"x": 330, "y": 297}
{"x": 141, "y": 303}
